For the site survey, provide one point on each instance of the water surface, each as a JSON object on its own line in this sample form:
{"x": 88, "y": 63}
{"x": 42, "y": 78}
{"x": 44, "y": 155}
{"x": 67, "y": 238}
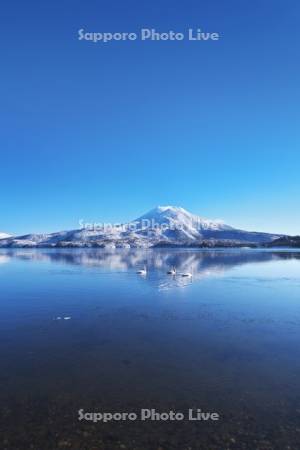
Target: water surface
{"x": 80, "y": 329}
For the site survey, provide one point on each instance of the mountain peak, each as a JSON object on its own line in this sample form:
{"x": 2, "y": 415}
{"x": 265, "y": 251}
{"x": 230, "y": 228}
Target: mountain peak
{"x": 171, "y": 208}
{"x": 176, "y": 217}
{"x": 166, "y": 212}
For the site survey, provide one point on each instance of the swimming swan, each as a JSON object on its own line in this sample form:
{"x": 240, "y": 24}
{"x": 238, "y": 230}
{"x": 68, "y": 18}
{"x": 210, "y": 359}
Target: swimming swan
{"x": 187, "y": 275}
{"x": 142, "y": 271}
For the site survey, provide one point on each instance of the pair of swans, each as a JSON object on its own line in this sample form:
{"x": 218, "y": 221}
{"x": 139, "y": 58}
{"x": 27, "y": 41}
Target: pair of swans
{"x": 172, "y": 271}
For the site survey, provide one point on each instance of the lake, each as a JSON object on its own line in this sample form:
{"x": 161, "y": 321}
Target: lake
{"x": 81, "y": 330}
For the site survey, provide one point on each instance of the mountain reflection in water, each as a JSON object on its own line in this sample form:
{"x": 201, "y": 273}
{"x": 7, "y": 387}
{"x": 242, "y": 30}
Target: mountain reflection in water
{"x": 203, "y": 263}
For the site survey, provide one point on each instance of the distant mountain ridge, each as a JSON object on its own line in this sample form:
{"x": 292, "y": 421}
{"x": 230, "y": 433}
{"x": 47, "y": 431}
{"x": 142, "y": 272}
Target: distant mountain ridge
{"x": 162, "y": 226}
{"x": 285, "y": 241}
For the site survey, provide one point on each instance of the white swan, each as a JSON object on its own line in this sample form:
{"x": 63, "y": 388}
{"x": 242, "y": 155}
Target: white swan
{"x": 187, "y": 275}
{"x": 172, "y": 271}
{"x": 142, "y": 271}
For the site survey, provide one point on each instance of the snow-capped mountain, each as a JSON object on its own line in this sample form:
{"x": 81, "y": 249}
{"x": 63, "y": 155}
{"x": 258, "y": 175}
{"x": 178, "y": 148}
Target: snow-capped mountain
{"x": 177, "y": 217}
{"x": 162, "y": 226}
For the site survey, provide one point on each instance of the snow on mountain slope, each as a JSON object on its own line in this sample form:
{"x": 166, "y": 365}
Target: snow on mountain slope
{"x": 173, "y": 224}
{"x": 179, "y": 218}
{"x": 167, "y": 225}
{"x": 4, "y": 235}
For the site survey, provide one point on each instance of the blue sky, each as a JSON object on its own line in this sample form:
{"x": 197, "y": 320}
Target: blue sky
{"x": 105, "y": 132}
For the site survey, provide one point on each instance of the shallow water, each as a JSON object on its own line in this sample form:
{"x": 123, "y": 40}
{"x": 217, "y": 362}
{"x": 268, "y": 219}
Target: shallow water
{"x": 225, "y": 341}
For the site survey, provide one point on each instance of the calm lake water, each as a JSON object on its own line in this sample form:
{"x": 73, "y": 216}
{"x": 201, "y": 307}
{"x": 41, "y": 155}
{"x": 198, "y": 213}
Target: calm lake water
{"x": 79, "y": 329}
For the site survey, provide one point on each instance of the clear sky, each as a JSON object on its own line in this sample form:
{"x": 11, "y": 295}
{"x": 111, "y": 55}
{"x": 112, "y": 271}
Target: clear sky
{"x": 105, "y": 132}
